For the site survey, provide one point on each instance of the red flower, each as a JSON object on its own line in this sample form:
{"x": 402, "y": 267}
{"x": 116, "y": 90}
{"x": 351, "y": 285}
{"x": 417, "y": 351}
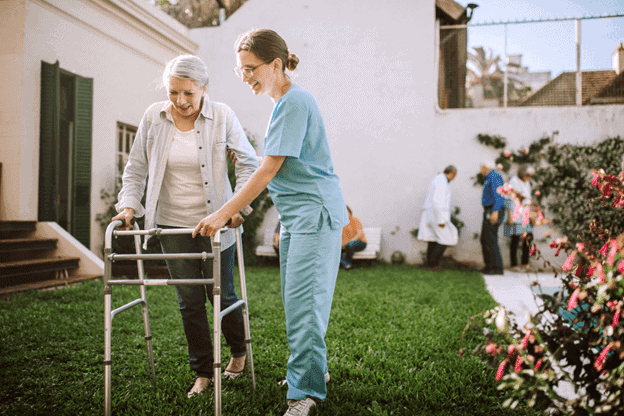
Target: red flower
{"x": 590, "y": 272}
{"x": 501, "y": 370}
{"x": 533, "y": 250}
{"x": 621, "y": 267}
{"x": 518, "y": 366}
{"x": 616, "y": 318}
{"x": 491, "y": 349}
{"x": 607, "y": 190}
{"x": 574, "y": 299}
{"x": 558, "y": 250}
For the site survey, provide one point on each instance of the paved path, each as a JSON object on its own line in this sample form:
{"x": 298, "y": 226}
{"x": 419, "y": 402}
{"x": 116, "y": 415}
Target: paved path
{"x": 513, "y": 291}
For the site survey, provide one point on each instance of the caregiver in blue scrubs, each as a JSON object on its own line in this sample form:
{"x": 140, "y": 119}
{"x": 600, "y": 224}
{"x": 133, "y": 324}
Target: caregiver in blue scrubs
{"x": 298, "y": 171}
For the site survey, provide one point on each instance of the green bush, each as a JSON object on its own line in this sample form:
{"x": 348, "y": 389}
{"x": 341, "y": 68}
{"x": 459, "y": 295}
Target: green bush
{"x": 562, "y": 179}
{"x": 577, "y": 335}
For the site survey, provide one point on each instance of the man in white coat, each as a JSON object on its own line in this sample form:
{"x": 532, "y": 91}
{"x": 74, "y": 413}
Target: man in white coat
{"x": 435, "y": 224}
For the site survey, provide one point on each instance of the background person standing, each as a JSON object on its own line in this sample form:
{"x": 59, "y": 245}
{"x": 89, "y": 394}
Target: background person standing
{"x": 493, "y": 213}
{"x": 435, "y": 223}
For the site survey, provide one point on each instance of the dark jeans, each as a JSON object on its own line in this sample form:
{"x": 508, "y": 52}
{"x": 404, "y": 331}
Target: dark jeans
{"x": 192, "y": 300}
{"x": 434, "y": 253}
{"x": 517, "y": 240}
{"x": 489, "y": 243}
{"x": 346, "y": 257}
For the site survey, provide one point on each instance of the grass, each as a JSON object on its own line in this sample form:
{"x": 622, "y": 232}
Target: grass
{"x": 393, "y": 344}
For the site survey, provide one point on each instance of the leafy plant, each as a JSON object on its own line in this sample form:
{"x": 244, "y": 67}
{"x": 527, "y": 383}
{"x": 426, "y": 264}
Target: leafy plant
{"x": 576, "y": 337}
{"x": 561, "y": 182}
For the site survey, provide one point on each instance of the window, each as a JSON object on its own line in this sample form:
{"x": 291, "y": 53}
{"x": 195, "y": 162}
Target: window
{"x": 125, "y": 138}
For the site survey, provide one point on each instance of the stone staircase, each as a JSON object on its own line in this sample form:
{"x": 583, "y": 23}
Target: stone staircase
{"x": 29, "y": 262}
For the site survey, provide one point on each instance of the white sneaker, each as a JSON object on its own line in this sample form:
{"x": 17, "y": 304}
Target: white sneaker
{"x": 299, "y": 407}
{"x": 285, "y": 382}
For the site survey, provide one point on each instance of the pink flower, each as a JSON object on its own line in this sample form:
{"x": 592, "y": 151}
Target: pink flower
{"x": 601, "y": 278}
{"x": 603, "y": 250}
{"x": 596, "y": 177}
{"x": 518, "y": 366}
{"x": 600, "y": 361}
{"x": 516, "y": 213}
{"x": 612, "y": 252}
{"x": 574, "y": 299}
{"x": 567, "y": 265}
{"x": 525, "y": 216}
{"x": 499, "y": 166}
{"x": 590, "y": 272}
{"x": 540, "y": 216}
{"x": 616, "y": 318}
{"x": 620, "y": 267}
{"x": 526, "y": 150}
{"x": 501, "y": 370}
{"x": 533, "y": 250}
{"x": 491, "y": 348}
{"x": 507, "y": 154}
{"x": 525, "y": 340}
{"x": 537, "y": 193}
{"x": 580, "y": 246}
{"x": 538, "y": 365}
{"x": 510, "y": 349}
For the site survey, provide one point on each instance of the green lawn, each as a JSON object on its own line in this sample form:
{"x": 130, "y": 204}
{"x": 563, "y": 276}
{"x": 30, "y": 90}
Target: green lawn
{"x": 393, "y": 344}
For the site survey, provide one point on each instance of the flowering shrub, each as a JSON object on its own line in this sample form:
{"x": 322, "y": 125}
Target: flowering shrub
{"x": 577, "y": 335}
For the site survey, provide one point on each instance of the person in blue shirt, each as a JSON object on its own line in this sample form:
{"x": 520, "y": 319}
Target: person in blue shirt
{"x": 493, "y": 210}
{"x": 298, "y": 171}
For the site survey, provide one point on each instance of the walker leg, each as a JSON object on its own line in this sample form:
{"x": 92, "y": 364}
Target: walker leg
{"x": 243, "y": 288}
{"x": 107, "y": 351}
{"x": 146, "y": 323}
{"x": 216, "y": 292}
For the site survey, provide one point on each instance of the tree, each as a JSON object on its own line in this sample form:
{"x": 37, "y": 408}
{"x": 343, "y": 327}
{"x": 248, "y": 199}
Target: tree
{"x": 199, "y": 13}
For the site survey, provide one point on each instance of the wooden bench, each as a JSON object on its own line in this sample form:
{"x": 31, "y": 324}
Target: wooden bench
{"x": 371, "y": 252}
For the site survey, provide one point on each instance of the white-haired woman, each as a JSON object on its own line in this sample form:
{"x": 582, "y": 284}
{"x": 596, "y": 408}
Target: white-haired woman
{"x": 520, "y": 234}
{"x": 181, "y": 147}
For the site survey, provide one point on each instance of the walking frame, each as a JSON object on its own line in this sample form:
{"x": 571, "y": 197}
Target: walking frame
{"x": 110, "y": 257}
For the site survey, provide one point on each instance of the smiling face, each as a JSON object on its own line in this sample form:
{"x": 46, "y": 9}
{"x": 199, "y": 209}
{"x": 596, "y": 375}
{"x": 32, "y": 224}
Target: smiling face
{"x": 262, "y": 74}
{"x": 185, "y": 96}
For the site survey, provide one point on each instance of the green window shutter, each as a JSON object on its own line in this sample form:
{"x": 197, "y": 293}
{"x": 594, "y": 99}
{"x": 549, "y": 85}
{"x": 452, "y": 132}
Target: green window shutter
{"x": 49, "y": 142}
{"x": 82, "y": 160}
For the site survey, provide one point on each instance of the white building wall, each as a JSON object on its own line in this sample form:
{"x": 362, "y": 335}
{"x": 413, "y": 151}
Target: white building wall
{"x": 370, "y": 66}
{"x": 103, "y": 40}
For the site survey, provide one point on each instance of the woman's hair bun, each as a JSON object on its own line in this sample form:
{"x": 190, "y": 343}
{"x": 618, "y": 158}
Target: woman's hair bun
{"x": 291, "y": 61}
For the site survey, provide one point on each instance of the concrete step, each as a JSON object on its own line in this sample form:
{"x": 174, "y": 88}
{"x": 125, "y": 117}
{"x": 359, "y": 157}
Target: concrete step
{"x": 35, "y": 266}
{"x": 10, "y": 245}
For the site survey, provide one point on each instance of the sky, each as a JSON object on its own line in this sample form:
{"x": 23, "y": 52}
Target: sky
{"x": 549, "y": 46}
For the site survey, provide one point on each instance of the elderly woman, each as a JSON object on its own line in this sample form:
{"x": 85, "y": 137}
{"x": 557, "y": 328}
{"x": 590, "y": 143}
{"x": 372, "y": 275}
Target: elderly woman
{"x": 181, "y": 146}
{"x": 298, "y": 170}
{"x": 520, "y": 234}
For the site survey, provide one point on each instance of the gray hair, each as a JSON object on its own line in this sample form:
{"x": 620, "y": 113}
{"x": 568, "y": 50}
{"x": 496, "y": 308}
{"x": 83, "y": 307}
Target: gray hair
{"x": 488, "y": 163}
{"x": 187, "y": 67}
{"x": 525, "y": 170}
{"x": 450, "y": 169}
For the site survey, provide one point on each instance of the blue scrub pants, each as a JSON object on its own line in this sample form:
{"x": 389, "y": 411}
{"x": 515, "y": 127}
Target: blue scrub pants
{"x": 309, "y": 266}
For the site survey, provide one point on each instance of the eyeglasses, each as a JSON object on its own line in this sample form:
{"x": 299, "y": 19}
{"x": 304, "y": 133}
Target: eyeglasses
{"x": 248, "y": 71}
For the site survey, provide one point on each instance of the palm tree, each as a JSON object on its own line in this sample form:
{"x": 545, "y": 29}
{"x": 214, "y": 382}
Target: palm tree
{"x": 198, "y": 13}
{"x": 483, "y": 68}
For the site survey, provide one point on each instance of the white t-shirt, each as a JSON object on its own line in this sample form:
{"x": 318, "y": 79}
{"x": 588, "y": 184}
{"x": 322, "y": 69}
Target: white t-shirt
{"x": 182, "y": 202}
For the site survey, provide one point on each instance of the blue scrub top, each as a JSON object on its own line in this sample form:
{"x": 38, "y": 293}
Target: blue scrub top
{"x": 306, "y": 182}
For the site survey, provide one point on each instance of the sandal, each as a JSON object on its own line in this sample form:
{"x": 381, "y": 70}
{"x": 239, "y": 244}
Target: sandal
{"x": 231, "y": 375}
{"x": 201, "y": 384}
